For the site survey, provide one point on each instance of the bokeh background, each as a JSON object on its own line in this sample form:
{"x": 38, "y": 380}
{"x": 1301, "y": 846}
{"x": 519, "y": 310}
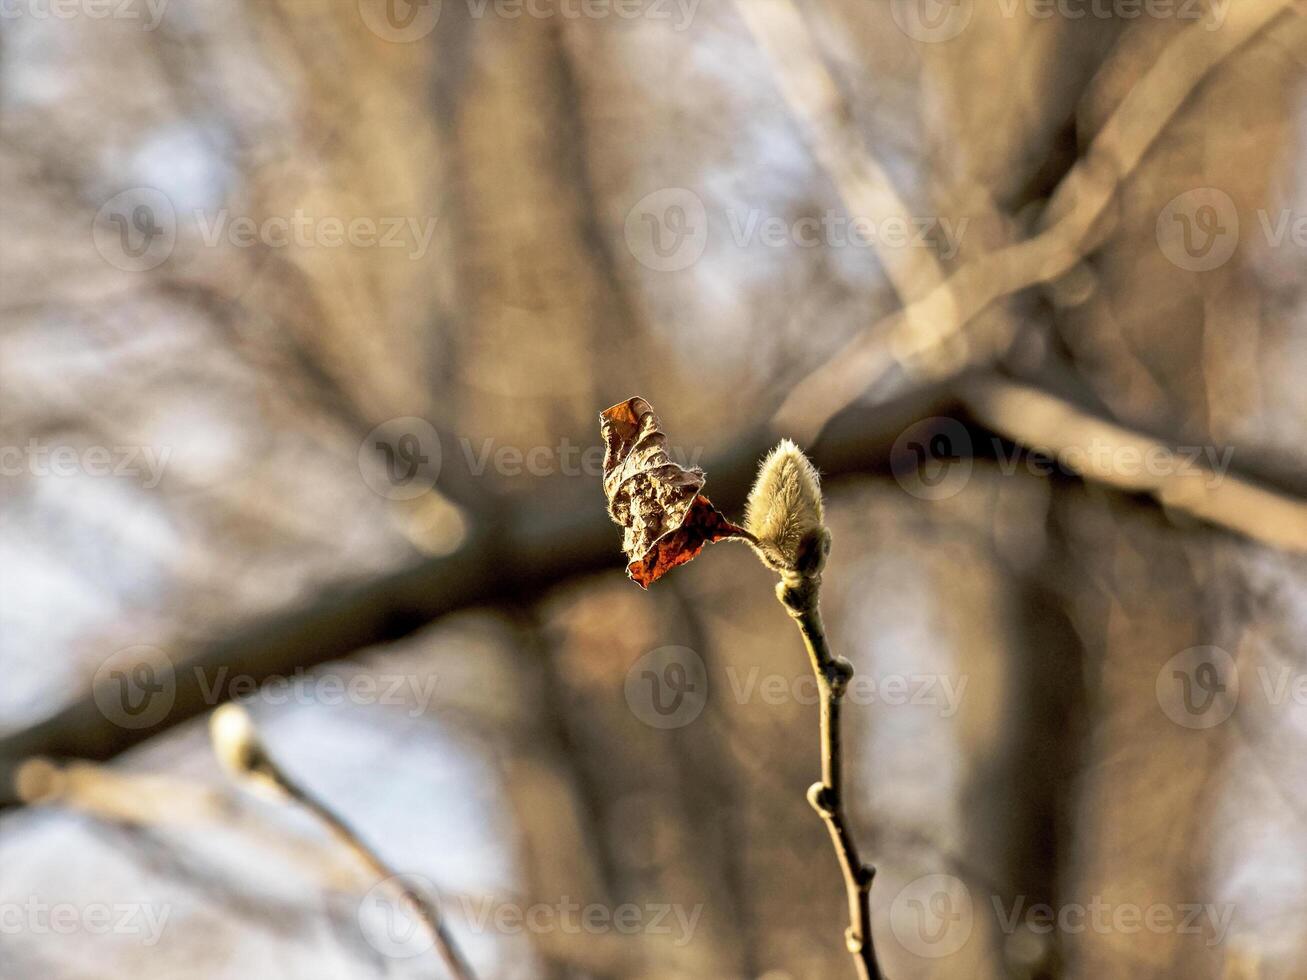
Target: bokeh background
{"x": 309, "y": 311}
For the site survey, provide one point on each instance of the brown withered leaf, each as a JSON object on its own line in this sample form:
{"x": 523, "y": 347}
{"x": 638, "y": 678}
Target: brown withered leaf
{"x": 665, "y": 518}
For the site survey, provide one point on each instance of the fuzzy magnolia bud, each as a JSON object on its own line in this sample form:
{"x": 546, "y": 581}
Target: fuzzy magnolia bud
{"x": 239, "y": 751}
{"x": 784, "y": 511}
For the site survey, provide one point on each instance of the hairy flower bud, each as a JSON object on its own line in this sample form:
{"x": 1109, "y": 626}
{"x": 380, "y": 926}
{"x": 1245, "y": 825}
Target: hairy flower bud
{"x": 784, "y": 511}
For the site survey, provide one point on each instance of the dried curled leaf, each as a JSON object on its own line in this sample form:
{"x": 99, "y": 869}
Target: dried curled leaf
{"x": 665, "y": 518}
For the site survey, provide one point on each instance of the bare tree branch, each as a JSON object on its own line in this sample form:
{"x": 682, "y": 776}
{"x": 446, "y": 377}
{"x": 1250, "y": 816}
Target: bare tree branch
{"x": 925, "y": 335}
{"x": 562, "y": 533}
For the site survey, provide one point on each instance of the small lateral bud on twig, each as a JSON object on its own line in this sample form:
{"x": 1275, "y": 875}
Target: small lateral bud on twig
{"x": 784, "y": 512}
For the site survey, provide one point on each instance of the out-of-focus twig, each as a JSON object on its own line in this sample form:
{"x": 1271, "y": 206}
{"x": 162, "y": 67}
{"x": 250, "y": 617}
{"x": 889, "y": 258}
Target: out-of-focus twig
{"x": 557, "y": 534}
{"x": 122, "y": 797}
{"x": 242, "y": 754}
{"x": 922, "y": 337}
{"x": 1095, "y": 450}
{"x": 819, "y": 108}
{"x": 536, "y": 546}
{"x": 938, "y": 308}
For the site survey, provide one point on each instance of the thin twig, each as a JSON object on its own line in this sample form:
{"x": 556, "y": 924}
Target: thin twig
{"x": 417, "y": 902}
{"x": 243, "y": 756}
{"x": 799, "y": 593}
{"x": 925, "y": 336}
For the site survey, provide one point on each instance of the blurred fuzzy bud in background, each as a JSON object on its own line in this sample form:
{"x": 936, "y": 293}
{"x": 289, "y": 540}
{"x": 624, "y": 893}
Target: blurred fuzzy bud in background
{"x": 242, "y": 755}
